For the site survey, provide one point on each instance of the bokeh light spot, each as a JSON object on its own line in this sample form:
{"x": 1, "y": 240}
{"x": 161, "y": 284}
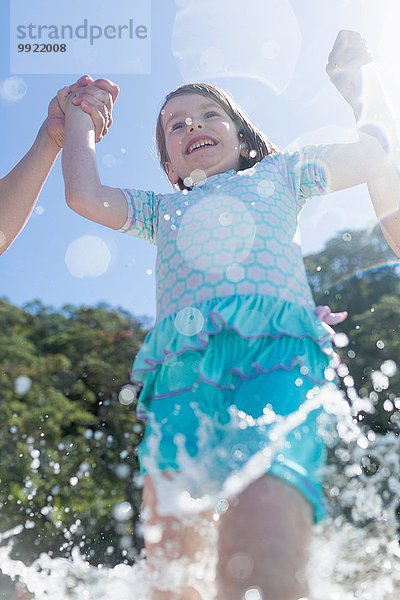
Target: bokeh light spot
{"x": 88, "y": 256}
{"x": 127, "y": 395}
{"x": 189, "y": 321}
{"x": 22, "y": 384}
{"x": 109, "y": 161}
{"x": 13, "y": 89}
{"x": 235, "y": 272}
{"x": 265, "y": 188}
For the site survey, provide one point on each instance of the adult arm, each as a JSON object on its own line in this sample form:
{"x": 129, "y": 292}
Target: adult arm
{"x": 20, "y": 189}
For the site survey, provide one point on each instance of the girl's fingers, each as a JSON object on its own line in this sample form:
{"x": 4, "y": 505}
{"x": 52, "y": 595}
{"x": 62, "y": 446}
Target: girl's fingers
{"x": 96, "y": 98}
{"x": 349, "y": 63}
{"x": 101, "y": 97}
{"x": 99, "y": 114}
{"x": 89, "y": 99}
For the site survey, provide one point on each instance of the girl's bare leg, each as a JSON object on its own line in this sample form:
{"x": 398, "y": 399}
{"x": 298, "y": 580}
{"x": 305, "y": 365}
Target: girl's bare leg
{"x": 264, "y": 543}
{"x": 176, "y": 541}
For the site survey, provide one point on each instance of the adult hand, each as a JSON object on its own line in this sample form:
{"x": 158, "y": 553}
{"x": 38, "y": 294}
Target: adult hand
{"x": 98, "y": 104}
{"x": 349, "y": 54}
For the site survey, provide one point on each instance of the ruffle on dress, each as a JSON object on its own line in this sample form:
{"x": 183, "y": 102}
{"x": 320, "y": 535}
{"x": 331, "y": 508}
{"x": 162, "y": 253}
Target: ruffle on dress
{"x": 225, "y": 340}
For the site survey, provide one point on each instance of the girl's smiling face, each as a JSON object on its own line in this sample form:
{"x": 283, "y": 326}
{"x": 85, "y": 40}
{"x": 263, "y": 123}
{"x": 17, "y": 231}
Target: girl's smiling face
{"x": 192, "y": 118}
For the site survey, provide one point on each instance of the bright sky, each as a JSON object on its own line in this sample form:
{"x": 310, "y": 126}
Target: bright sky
{"x": 272, "y": 59}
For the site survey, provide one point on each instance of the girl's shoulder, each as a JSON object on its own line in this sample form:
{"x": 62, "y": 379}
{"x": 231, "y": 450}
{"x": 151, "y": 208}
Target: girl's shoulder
{"x": 294, "y": 156}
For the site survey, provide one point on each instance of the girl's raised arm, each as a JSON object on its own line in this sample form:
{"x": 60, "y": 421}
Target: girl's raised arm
{"x": 84, "y": 192}
{"x": 375, "y": 158}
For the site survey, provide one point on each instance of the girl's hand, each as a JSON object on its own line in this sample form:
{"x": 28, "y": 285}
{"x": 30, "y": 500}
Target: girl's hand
{"x": 97, "y": 99}
{"x": 349, "y": 54}
{"x": 324, "y": 314}
{"x": 99, "y": 107}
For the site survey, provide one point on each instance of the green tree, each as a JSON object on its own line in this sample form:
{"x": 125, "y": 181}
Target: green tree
{"x": 67, "y": 444}
{"x": 358, "y": 272}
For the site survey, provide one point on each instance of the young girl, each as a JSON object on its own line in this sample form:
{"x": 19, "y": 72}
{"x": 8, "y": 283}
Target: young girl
{"x": 236, "y": 327}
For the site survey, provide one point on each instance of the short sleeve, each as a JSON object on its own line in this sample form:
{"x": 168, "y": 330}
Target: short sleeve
{"x": 306, "y": 172}
{"x": 142, "y": 218}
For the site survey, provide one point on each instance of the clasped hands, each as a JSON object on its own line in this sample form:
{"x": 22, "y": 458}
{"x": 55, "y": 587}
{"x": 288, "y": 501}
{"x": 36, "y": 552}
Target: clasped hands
{"x": 95, "y": 97}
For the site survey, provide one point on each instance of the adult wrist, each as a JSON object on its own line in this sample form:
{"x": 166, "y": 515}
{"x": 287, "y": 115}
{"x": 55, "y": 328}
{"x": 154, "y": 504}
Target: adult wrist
{"x": 45, "y": 140}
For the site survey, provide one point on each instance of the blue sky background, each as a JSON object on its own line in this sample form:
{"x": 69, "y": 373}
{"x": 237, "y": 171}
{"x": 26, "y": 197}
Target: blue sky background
{"x": 275, "y": 58}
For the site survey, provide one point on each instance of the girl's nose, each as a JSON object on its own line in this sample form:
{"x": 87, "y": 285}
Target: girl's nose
{"x": 194, "y": 123}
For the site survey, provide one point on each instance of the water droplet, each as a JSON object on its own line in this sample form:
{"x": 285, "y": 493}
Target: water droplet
{"x": 254, "y": 593}
{"x": 329, "y": 374}
{"x": 348, "y": 381}
{"x": 22, "y": 385}
{"x": 188, "y": 121}
{"x": 346, "y": 237}
{"x": 341, "y": 340}
{"x": 152, "y": 533}
{"x": 122, "y": 511}
{"x": 380, "y": 381}
{"x": 388, "y": 406}
{"x": 127, "y": 394}
{"x": 389, "y": 368}
{"x": 188, "y": 181}
{"x": 122, "y": 471}
{"x": 222, "y": 506}
{"x": 39, "y": 210}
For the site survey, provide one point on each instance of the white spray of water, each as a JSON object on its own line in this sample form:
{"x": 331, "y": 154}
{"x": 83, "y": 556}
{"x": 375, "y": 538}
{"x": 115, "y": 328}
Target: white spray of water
{"x": 355, "y": 553}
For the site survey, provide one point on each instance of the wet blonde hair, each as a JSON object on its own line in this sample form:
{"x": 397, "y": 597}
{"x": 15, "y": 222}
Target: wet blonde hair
{"x": 247, "y": 132}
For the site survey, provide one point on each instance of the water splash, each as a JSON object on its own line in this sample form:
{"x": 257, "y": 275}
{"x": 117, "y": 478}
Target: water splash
{"x": 355, "y": 553}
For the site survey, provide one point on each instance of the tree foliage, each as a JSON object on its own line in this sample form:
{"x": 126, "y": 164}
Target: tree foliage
{"x": 67, "y": 444}
{"x": 358, "y": 272}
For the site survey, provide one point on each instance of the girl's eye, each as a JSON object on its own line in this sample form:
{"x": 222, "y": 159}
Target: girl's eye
{"x": 173, "y": 127}
{"x": 177, "y": 125}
